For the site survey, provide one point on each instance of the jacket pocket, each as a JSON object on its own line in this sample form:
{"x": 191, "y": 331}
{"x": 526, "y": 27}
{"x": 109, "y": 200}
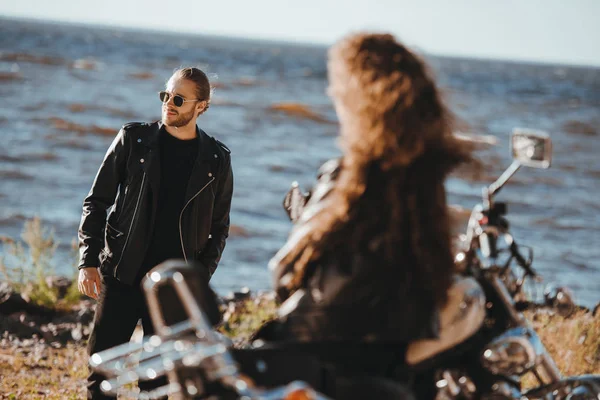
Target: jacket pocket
{"x": 112, "y": 232}
{"x": 114, "y": 243}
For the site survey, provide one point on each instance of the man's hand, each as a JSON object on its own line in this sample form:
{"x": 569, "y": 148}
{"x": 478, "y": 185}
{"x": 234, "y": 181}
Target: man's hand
{"x": 89, "y": 282}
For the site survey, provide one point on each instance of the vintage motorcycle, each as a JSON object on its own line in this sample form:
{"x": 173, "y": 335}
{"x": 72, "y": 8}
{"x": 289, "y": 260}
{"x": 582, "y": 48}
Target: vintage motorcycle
{"x": 486, "y": 345}
{"x": 198, "y": 361}
{"x": 195, "y": 358}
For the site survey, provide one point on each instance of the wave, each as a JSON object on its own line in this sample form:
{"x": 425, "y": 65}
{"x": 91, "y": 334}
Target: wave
{"x": 238, "y": 231}
{"x": 31, "y": 58}
{"x": 64, "y": 125}
{"x": 89, "y": 64}
{"x": 10, "y": 76}
{"x": 298, "y": 110}
{"x": 579, "y": 128}
{"x": 81, "y": 108}
{"x": 225, "y": 103}
{"x": 28, "y": 157}
{"x": 15, "y": 175}
{"x": 246, "y": 81}
{"x": 12, "y": 219}
{"x": 218, "y": 85}
{"x": 142, "y": 75}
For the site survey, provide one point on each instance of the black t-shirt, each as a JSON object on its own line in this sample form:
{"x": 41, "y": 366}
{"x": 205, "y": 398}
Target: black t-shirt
{"x": 177, "y": 158}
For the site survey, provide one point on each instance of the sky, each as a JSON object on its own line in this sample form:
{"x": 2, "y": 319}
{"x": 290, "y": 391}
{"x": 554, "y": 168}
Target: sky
{"x": 548, "y": 31}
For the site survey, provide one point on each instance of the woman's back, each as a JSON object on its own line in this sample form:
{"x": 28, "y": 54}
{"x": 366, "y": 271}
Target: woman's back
{"x": 371, "y": 251}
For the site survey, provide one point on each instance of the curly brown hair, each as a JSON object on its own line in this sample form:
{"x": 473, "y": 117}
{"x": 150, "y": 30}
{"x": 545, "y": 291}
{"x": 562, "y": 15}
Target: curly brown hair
{"x": 389, "y": 202}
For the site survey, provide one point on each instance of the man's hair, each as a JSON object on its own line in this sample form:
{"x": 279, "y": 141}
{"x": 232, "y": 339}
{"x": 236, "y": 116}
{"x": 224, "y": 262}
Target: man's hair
{"x": 196, "y": 75}
{"x": 388, "y": 206}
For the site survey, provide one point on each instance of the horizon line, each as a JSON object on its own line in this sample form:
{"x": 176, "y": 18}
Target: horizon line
{"x": 298, "y": 43}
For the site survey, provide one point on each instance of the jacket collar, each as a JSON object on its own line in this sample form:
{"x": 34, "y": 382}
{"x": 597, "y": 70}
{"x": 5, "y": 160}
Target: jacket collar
{"x": 205, "y": 148}
{"x": 201, "y": 172}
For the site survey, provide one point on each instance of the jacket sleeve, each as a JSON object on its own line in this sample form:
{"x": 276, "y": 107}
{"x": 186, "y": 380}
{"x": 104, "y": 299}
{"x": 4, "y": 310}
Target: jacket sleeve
{"x": 219, "y": 230}
{"x": 99, "y": 199}
{"x": 308, "y": 205}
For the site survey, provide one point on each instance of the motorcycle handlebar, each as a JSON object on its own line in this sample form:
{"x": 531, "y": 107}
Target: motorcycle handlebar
{"x": 526, "y": 265}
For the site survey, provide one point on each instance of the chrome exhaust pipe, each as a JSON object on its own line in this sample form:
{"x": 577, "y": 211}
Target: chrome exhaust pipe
{"x": 185, "y": 348}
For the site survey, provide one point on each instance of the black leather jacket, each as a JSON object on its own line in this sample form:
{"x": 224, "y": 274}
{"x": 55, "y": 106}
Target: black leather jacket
{"x": 127, "y": 183}
{"x": 343, "y": 298}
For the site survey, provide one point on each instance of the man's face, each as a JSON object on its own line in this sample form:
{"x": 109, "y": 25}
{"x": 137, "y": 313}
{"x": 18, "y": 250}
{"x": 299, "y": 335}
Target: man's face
{"x": 180, "y": 116}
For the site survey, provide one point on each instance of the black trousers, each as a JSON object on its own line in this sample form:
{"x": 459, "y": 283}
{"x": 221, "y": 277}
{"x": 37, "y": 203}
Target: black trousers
{"x": 119, "y": 309}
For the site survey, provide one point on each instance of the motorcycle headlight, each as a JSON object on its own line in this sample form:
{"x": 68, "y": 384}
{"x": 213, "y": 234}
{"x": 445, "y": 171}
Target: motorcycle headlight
{"x": 509, "y": 356}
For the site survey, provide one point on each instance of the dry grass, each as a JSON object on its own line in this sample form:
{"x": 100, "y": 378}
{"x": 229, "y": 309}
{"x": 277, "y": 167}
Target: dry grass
{"x": 242, "y": 319}
{"x": 573, "y": 342}
{"x": 30, "y": 264}
{"x": 33, "y": 370}
{"x": 43, "y": 373}
{"x": 49, "y": 373}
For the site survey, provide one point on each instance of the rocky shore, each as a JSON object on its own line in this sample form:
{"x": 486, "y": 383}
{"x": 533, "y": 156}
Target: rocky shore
{"x": 42, "y": 350}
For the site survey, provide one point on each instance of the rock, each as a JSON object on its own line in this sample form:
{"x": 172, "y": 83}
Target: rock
{"x": 243, "y": 294}
{"x": 85, "y": 316}
{"x": 18, "y": 329}
{"x": 9, "y": 300}
{"x": 63, "y": 336}
{"x": 77, "y": 333}
{"x": 12, "y": 302}
{"x": 60, "y": 283}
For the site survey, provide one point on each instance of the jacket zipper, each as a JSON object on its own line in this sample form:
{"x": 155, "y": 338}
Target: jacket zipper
{"x": 131, "y": 224}
{"x": 181, "y": 215}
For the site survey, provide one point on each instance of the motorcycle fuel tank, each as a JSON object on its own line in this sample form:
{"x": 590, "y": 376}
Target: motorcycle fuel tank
{"x": 460, "y": 318}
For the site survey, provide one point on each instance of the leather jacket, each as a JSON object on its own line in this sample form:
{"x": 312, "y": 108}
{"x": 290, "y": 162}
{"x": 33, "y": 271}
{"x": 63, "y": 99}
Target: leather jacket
{"x": 344, "y": 297}
{"x": 127, "y": 185}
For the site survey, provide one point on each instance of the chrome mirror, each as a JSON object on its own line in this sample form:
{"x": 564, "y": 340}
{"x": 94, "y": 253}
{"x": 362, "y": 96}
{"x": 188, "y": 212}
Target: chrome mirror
{"x": 531, "y": 147}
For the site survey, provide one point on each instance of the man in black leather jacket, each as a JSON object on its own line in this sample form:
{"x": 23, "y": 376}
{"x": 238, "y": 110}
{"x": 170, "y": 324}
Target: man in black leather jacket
{"x": 168, "y": 188}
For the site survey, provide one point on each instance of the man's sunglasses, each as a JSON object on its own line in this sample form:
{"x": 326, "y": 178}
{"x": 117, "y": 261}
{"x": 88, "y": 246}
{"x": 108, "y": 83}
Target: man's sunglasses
{"x": 177, "y": 99}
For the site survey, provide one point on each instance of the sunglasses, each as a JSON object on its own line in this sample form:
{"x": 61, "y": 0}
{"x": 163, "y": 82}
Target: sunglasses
{"x": 177, "y": 99}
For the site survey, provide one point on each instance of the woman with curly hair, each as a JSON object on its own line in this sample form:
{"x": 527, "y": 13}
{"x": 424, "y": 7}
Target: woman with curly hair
{"x": 369, "y": 258}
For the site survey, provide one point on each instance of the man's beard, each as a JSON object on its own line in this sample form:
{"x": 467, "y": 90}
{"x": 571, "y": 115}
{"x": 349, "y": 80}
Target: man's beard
{"x": 181, "y": 120}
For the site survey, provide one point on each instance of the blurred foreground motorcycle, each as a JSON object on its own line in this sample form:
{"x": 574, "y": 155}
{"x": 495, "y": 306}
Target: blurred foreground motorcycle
{"x": 487, "y": 345}
{"x": 485, "y": 348}
{"x": 199, "y": 362}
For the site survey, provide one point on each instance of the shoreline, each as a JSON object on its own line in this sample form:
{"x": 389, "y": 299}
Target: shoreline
{"x": 52, "y": 363}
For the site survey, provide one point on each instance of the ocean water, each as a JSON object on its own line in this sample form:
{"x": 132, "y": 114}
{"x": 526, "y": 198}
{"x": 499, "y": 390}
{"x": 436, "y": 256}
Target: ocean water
{"x": 66, "y": 91}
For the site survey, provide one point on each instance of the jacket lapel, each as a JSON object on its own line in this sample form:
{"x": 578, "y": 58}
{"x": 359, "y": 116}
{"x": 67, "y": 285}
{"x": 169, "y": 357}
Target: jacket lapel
{"x": 151, "y": 166}
{"x": 202, "y": 172}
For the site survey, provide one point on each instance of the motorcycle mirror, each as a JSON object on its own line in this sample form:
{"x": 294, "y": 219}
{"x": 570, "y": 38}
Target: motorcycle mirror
{"x": 532, "y": 148}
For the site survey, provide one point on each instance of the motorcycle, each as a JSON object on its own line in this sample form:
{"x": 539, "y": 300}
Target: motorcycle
{"x": 485, "y": 346}
{"x": 199, "y": 362}
{"x": 187, "y": 350}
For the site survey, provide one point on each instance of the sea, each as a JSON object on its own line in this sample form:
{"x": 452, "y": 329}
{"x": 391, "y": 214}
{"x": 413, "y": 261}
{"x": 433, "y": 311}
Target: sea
{"x": 67, "y": 89}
